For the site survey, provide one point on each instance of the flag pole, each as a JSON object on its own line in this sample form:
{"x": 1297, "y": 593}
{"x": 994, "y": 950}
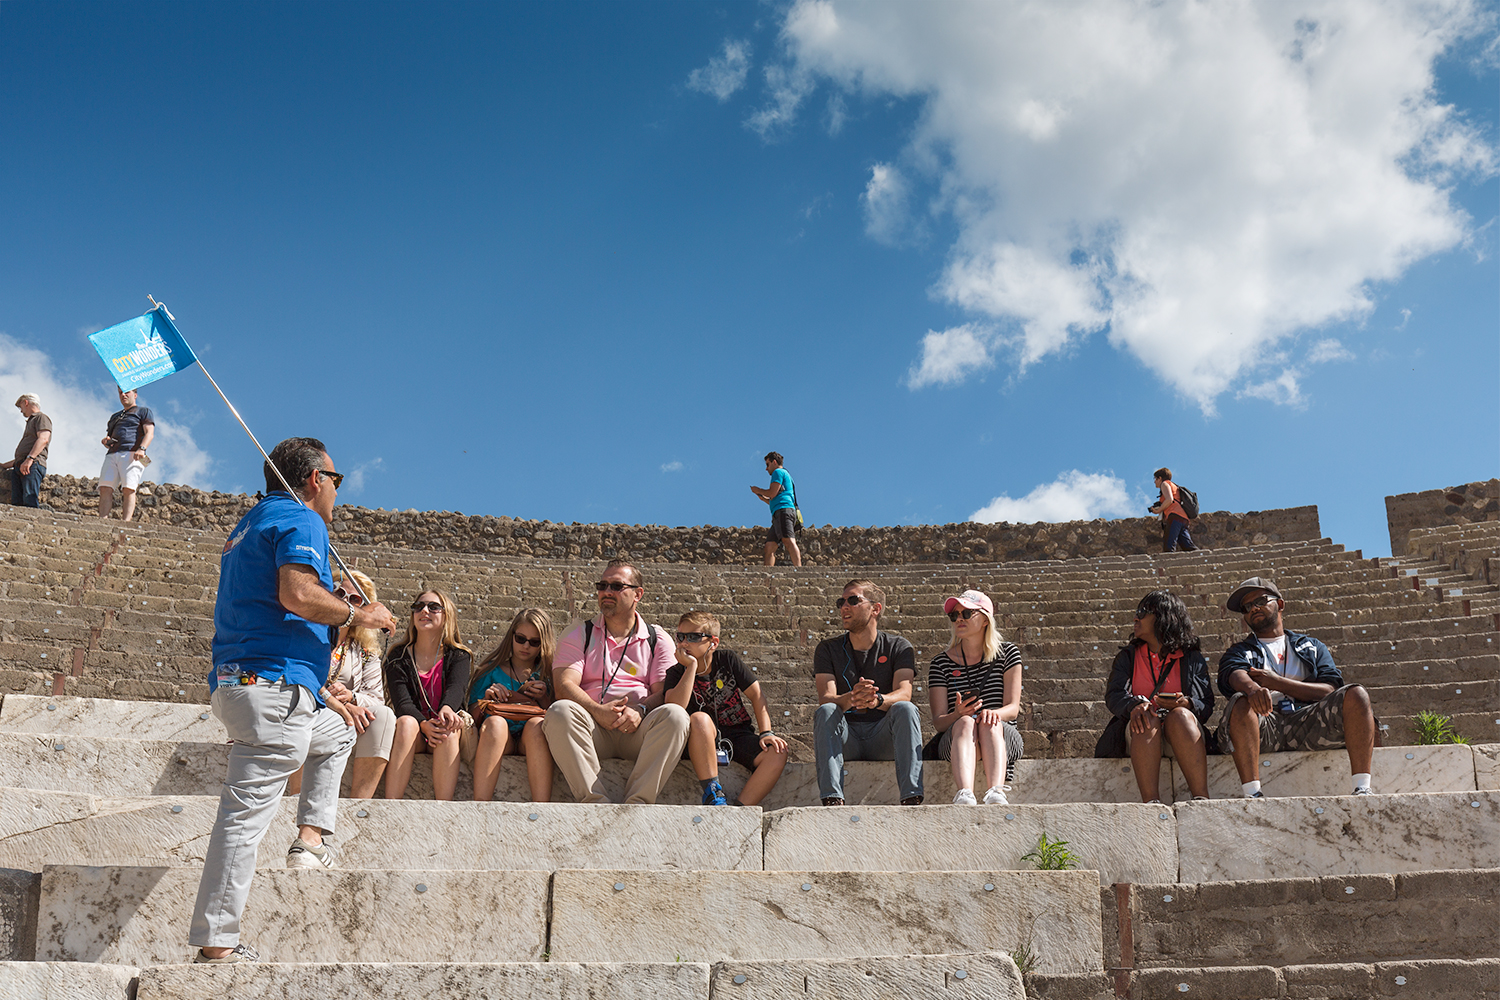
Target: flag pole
{"x": 337, "y": 558}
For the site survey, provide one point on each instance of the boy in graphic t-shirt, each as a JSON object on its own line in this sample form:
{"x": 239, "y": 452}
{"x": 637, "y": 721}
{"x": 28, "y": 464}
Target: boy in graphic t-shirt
{"x": 714, "y": 686}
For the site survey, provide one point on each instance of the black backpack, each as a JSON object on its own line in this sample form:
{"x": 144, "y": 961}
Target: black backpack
{"x": 1189, "y": 501}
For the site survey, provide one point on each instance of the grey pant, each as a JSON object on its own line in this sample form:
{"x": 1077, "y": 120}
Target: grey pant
{"x": 275, "y": 726}
{"x": 895, "y": 735}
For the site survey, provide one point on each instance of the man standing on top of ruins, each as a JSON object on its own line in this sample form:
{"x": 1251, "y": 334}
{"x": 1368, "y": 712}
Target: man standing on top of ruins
{"x": 271, "y": 650}
{"x": 1286, "y": 694}
{"x": 610, "y": 676}
{"x": 781, "y": 495}
{"x": 127, "y": 437}
{"x": 865, "y": 711}
{"x": 1174, "y": 519}
{"x": 30, "y": 463}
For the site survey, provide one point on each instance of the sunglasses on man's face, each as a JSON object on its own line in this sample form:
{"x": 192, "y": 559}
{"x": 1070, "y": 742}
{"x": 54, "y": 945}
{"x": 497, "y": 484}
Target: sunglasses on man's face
{"x": 964, "y": 613}
{"x": 693, "y": 636}
{"x": 851, "y": 601}
{"x": 353, "y": 597}
{"x": 337, "y": 477}
{"x": 614, "y": 585}
{"x": 521, "y": 640}
{"x": 1248, "y": 606}
{"x": 435, "y": 607}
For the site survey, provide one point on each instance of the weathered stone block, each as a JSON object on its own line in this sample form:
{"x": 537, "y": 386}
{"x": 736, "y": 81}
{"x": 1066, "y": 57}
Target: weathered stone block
{"x": 1122, "y": 842}
{"x": 141, "y": 916}
{"x": 1487, "y": 766}
{"x": 770, "y": 916}
{"x": 1351, "y": 835}
{"x": 1326, "y": 772}
{"x": 66, "y": 981}
{"x": 982, "y": 976}
{"x": 1249, "y": 982}
{"x": 19, "y": 892}
{"x": 439, "y": 981}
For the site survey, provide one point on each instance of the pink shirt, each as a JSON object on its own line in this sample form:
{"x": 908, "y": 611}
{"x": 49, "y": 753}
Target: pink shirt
{"x": 432, "y": 683}
{"x": 629, "y": 665}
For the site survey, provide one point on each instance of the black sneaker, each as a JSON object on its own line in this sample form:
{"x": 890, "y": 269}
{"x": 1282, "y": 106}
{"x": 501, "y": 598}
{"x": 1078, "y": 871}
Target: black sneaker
{"x": 833, "y": 800}
{"x": 915, "y": 800}
{"x": 241, "y": 953}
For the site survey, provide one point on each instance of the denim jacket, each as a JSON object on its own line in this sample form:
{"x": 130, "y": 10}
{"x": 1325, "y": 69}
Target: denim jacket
{"x": 1248, "y": 652}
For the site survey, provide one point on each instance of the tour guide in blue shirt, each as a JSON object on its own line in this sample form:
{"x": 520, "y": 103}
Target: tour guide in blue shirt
{"x": 271, "y": 653}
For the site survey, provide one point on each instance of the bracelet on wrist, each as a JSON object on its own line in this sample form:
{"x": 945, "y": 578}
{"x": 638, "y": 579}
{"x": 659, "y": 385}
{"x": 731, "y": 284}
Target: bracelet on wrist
{"x": 768, "y": 732}
{"x": 350, "y": 620}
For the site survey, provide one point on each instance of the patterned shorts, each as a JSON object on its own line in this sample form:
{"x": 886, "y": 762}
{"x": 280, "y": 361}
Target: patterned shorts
{"x": 1316, "y": 727}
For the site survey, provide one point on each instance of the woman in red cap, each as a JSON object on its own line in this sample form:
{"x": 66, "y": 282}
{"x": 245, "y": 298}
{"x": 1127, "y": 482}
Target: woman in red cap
{"x": 974, "y": 689}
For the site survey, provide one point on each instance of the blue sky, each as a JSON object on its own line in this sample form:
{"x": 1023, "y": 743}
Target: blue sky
{"x": 589, "y": 262}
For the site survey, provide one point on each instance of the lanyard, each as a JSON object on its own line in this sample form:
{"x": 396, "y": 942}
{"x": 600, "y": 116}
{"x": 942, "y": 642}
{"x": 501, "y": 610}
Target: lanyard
{"x": 624, "y": 647}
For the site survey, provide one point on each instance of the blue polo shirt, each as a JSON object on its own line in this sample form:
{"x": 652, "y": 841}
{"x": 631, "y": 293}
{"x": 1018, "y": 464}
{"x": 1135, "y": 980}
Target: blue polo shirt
{"x": 786, "y": 498}
{"x": 253, "y": 633}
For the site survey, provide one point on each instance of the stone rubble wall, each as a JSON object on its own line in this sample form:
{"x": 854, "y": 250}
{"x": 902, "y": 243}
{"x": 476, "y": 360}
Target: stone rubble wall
{"x": 1465, "y": 504}
{"x": 969, "y": 542}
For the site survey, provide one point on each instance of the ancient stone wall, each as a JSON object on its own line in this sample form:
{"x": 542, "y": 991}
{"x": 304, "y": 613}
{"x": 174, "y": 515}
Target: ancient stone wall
{"x": 1430, "y": 508}
{"x": 184, "y": 506}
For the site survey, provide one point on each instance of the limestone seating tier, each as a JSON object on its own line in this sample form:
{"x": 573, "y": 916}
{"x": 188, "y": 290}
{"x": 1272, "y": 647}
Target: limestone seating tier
{"x": 977, "y": 976}
{"x": 1430, "y": 980}
{"x": 139, "y": 916}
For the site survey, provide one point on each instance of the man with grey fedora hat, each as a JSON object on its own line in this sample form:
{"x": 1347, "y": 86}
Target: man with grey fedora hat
{"x": 1286, "y": 694}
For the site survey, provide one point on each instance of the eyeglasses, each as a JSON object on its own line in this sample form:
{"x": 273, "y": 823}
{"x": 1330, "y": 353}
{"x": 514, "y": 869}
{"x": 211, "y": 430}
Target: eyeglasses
{"x": 1261, "y": 601}
{"x": 694, "y": 636}
{"x": 355, "y": 598}
{"x": 614, "y": 585}
{"x": 337, "y": 477}
{"x": 852, "y": 601}
{"x": 521, "y": 640}
{"x": 436, "y": 607}
{"x": 964, "y": 613}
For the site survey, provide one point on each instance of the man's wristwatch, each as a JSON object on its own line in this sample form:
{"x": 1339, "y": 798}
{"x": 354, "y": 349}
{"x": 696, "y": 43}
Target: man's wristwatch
{"x": 879, "y": 700}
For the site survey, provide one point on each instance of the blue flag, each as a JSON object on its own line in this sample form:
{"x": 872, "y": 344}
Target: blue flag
{"x": 139, "y": 351}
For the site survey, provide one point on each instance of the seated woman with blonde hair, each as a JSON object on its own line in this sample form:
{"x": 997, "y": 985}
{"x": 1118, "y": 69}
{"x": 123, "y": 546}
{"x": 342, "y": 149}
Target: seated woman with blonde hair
{"x": 974, "y": 691}
{"x": 517, "y": 674}
{"x": 427, "y": 674}
{"x": 356, "y": 681}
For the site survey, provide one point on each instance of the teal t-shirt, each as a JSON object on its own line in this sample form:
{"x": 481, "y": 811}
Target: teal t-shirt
{"x": 499, "y": 675}
{"x": 786, "y": 498}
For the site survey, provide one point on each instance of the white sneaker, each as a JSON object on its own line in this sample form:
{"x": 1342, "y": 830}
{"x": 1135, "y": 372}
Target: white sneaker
{"x": 304, "y": 855}
{"x": 965, "y": 797}
{"x": 996, "y": 797}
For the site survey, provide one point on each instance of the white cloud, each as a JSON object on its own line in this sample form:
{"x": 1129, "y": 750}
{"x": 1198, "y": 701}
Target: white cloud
{"x": 1283, "y": 389}
{"x": 1328, "y": 350}
{"x": 673, "y": 466}
{"x": 884, "y": 201}
{"x": 1074, "y": 496}
{"x": 1203, "y": 180}
{"x": 949, "y": 357}
{"x": 725, "y": 73}
{"x": 354, "y": 479}
{"x": 79, "y": 414}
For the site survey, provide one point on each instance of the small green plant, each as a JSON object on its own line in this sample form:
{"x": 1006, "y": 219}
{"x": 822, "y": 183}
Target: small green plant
{"x": 1051, "y": 856}
{"x": 1433, "y": 729}
{"x": 1024, "y": 958}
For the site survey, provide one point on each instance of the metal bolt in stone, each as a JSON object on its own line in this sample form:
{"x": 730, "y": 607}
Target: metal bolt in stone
{"x": 362, "y": 813}
{"x": 989, "y": 887}
{"x": 421, "y": 886}
{"x": 177, "y": 809}
{"x": 1166, "y": 899}
{"x": 807, "y": 887}
{"x": 740, "y": 979}
{"x": 619, "y": 887}
{"x": 960, "y": 974}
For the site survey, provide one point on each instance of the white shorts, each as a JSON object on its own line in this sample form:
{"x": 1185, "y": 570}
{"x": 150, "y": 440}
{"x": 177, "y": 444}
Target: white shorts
{"x": 120, "y": 467}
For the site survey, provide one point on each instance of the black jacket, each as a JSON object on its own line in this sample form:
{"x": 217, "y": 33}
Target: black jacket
{"x": 1119, "y": 699}
{"x": 405, "y": 688}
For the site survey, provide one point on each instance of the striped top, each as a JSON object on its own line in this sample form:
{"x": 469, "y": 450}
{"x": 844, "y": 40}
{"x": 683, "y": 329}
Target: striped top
{"x": 984, "y": 679}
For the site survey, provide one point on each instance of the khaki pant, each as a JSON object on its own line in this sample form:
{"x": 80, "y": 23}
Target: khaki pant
{"x": 578, "y": 742}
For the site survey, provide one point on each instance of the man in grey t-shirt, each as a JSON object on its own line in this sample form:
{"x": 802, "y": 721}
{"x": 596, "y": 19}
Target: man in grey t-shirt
{"x": 30, "y": 463}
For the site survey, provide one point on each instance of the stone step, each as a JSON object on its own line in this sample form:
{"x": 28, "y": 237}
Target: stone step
{"x": 26, "y": 980}
{"x": 39, "y": 828}
{"x": 986, "y": 976}
{"x": 140, "y": 916}
{"x": 1417, "y": 916}
{"x": 1477, "y": 979}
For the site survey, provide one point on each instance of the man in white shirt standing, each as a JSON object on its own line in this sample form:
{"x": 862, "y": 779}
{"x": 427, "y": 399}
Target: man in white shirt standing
{"x": 610, "y": 677}
{"x": 1286, "y": 694}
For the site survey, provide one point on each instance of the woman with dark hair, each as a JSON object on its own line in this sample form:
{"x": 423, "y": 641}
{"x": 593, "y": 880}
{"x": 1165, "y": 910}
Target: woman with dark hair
{"x": 427, "y": 675}
{"x": 518, "y": 672}
{"x": 1159, "y": 685}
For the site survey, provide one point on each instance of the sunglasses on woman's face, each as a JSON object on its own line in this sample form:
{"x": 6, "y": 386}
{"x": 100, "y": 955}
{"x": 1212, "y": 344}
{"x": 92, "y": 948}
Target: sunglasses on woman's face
{"x": 521, "y": 640}
{"x": 435, "y": 607}
{"x": 354, "y": 597}
{"x": 964, "y": 613}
